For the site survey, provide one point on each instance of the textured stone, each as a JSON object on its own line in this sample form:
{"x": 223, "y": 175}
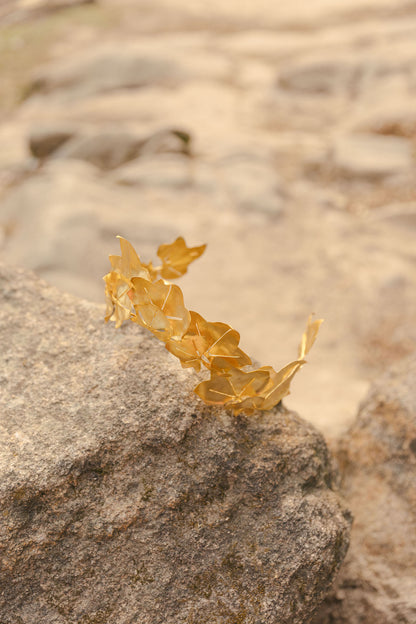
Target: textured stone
{"x": 45, "y": 140}
{"x": 108, "y": 67}
{"x": 102, "y": 70}
{"x": 109, "y": 150}
{"x": 399, "y": 215}
{"x": 106, "y": 150}
{"x": 372, "y": 156}
{"x": 348, "y": 72}
{"x": 391, "y": 119}
{"x": 322, "y": 75}
{"x": 170, "y": 171}
{"x": 123, "y": 500}
{"x": 14, "y": 11}
{"x": 377, "y": 584}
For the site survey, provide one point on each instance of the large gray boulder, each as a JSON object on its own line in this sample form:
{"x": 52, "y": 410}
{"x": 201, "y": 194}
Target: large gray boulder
{"x": 377, "y": 584}
{"x": 124, "y": 500}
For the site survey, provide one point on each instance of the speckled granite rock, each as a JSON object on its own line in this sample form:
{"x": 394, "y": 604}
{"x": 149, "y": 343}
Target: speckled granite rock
{"x": 377, "y": 584}
{"x": 124, "y": 501}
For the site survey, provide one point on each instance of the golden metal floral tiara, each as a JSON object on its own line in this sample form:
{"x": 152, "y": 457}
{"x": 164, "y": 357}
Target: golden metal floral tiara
{"x": 142, "y": 293}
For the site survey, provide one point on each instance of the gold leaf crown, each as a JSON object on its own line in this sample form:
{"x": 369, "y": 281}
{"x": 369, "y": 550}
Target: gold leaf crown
{"x": 142, "y": 293}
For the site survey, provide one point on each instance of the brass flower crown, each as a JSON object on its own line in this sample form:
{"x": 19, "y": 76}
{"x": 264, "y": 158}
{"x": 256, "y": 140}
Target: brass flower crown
{"x": 142, "y": 293}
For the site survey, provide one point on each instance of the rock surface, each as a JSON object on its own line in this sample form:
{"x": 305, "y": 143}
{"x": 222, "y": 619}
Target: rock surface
{"x": 17, "y": 10}
{"x": 109, "y": 67}
{"x": 377, "y": 584}
{"x": 372, "y": 156}
{"x": 45, "y": 140}
{"x": 124, "y": 501}
{"x": 111, "y": 149}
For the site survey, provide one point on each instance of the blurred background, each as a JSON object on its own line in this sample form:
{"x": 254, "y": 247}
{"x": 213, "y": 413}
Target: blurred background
{"x": 283, "y": 134}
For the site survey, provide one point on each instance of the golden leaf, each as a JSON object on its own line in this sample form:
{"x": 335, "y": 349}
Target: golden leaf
{"x": 214, "y": 345}
{"x": 128, "y": 264}
{"x": 118, "y": 302}
{"x": 279, "y": 384}
{"x": 176, "y": 257}
{"x": 309, "y": 336}
{"x": 248, "y": 391}
{"x": 118, "y": 282}
{"x": 152, "y": 271}
{"x": 160, "y": 308}
{"x": 235, "y": 388}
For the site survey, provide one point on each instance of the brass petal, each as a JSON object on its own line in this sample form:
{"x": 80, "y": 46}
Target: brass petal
{"x": 309, "y": 336}
{"x": 176, "y": 257}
